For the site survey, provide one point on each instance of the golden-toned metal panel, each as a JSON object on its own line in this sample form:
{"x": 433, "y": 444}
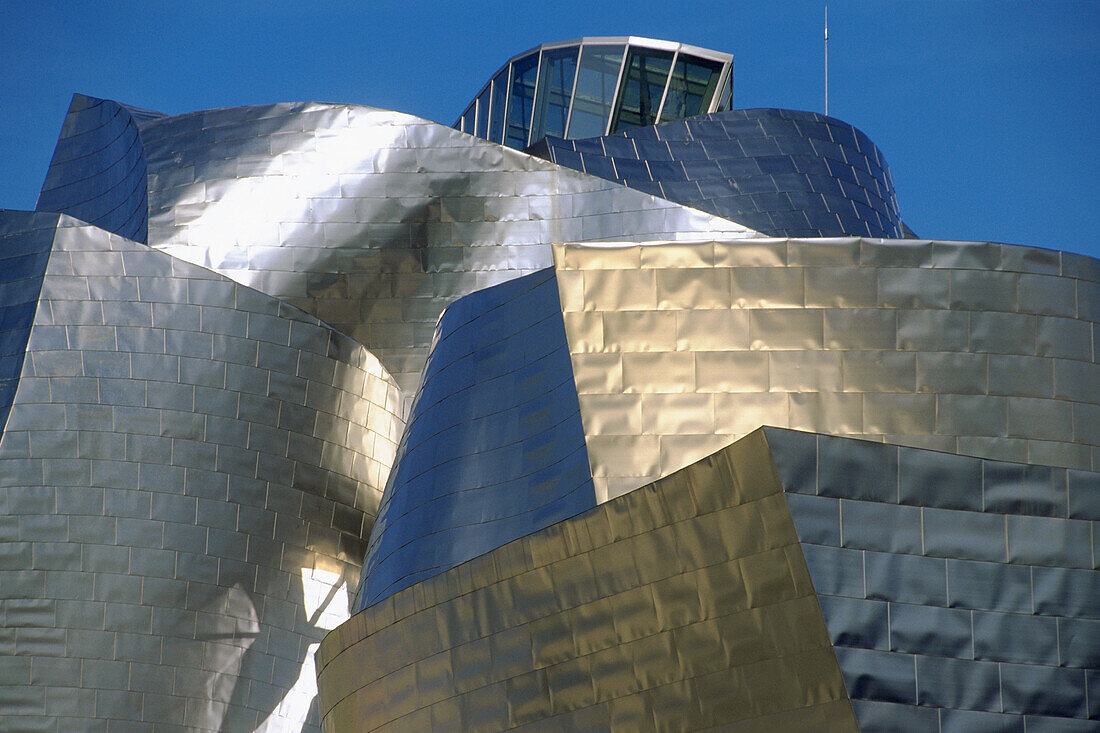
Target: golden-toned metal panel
{"x": 684, "y": 604}
{"x": 907, "y": 339}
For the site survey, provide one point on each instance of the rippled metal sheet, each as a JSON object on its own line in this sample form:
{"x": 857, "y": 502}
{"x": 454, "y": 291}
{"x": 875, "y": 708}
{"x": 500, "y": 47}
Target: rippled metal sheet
{"x": 374, "y": 221}
{"x": 494, "y": 449}
{"x": 187, "y": 478}
{"x": 685, "y": 604}
{"x": 25, "y": 243}
{"x": 679, "y": 349}
{"x": 97, "y": 173}
{"x": 946, "y": 581}
{"x": 781, "y": 172}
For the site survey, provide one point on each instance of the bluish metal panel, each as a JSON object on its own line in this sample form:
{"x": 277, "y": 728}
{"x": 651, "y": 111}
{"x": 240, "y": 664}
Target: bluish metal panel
{"x": 968, "y": 588}
{"x": 875, "y": 675}
{"x": 990, "y": 585}
{"x": 98, "y": 171}
{"x": 25, "y": 243}
{"x": 1016, "y": 637}
{"x": 494, "y": 447}
{"x": 857, "y": 622}
{"x": 871, "y": 472}
{"x": 873, "y": 715}
{"x": 965, "y": 721}
{"x": 816, "y": 518}
{"x": 1042, "y": 690}
{"x": 943, "y": 632}
{"x": 940, "y": 683}
{"x": 764, "y": 152}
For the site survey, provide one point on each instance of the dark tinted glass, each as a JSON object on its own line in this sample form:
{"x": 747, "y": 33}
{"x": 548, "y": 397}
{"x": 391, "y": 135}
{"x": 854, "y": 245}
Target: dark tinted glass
{"x": 483, "y": 114}
{"x": 496, "y": 114}
{"x": 521, "y": 101}
{"x": 596, "y": 80}
{"x": 559, "y": 67}
{"x": 643, "y": 85}
{"x": 690, "y": 88}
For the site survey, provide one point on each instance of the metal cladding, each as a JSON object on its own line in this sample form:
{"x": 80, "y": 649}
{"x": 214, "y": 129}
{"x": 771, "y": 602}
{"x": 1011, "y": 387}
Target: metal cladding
{"x": 494, "y": 449}
{"x": 374, "y": 221}
{"x": 25, "y": 243}
{"x": 593, "y": 86}
{"x": 98, "y": 169}
{"x": 684, "y": 605}
{"x": 585, "y": 525}
{"x": 976, "y": 348}
{"x": 187, "y": 475}
{"x": 781, "y": 172}
{"x": 959, "y": 593}
{"x": 956, "y": 593}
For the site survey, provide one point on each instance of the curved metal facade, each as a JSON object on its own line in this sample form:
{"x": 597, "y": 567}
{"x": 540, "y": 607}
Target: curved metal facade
{"x": 374, "y": 221}
{"x": 25, "y": 243}
{"x": 494, "y": 449}
{"x": 976, "y": 348}
{"x": 191, "y": 466}
{"x": 98, "y": 169}
{"x": 781, "y": 172}
{"x": 789, "y": 581}
{"x": 959, "y": 593}
{"x": 189, "y": 473}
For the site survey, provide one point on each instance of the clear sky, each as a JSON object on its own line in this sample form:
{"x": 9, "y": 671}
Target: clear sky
{"x": 986, "y": 110}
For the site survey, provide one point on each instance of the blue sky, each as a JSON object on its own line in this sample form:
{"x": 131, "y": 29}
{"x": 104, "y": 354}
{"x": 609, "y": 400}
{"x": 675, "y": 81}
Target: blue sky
{"x": 986, "y": 109}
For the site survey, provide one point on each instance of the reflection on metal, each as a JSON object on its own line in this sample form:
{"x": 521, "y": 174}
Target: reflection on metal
{"x": 185, "y": 459}
{"x": 686, "y": 604}
{"x": 494, "y": 449}
{"x": 954, "y": 588}
{"x": 98, "y": 169}
{"x": 374, "y": 221}
{"x": 975, "y": 348}
{"x": 592, "y": 86}
{"x": 190, "y": 468}
{"x": 779, "y": 171}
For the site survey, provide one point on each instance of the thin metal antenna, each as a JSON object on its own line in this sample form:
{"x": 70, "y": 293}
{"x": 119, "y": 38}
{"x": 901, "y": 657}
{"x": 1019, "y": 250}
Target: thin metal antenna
{"x": 826, "y": 60}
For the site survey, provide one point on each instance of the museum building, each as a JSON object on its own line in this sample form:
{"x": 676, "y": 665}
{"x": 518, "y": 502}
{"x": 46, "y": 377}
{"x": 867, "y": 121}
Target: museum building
{"x": 608, "y": 407}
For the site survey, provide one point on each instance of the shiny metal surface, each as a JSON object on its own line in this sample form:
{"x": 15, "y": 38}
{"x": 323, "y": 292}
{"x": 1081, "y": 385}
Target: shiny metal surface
{"x": 374, "y": 221}
{"x": 973, "y": 590}
{"x": 680, "y": 348}
{"x": 494, "y": 448}
{"x": 782, "y": 172}
{"x": 188, "y": 475}
{"x": 97, "y": 173}
{"x": 25, "y": 242}
{"x": 685, "y": 605}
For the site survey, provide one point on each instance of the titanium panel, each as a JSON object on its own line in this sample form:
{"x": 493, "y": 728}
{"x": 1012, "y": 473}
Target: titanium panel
{"x": 656, "y": 609}
{"x": 494, "y": 448}
{"x": 925, "y": 601}
{"x": 98, "y": 171}
{"x": 185, "y": 510}
{"x": 781, "y": 172}
{"x": 25, "y": 244}
{"x": 374, "y": 221}
{"x": 780, "y": 332}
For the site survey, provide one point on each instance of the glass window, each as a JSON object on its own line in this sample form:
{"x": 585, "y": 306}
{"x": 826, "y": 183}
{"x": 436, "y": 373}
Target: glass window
{"x": 725, "y": 102}
{"x": 496, "y": 114}
{"x": 690, "y": 87}
{"x": 643, "y": 85}
{"x": 483, "y": 113}
{"x": 468, "y": 118}
{"x": 559, "y": 67}
{"x": 521, "y": 101}
{"x": 596, "y": 80}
